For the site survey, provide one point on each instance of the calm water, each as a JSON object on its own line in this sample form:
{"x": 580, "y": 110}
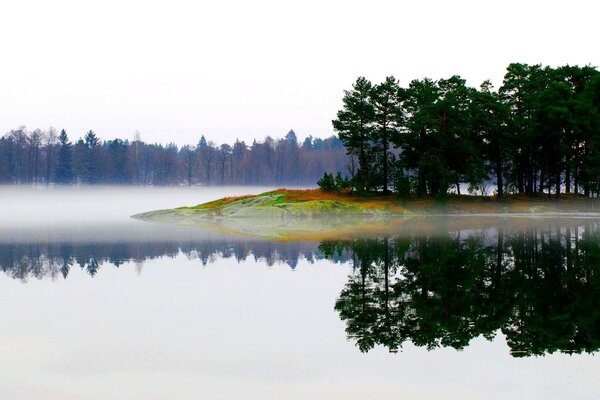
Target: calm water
{"x": 94, "y": 305}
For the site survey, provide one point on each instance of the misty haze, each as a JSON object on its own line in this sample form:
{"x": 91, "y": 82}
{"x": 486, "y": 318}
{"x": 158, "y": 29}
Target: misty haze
{"x": 311, "y": 200}
{"x": 101, "y": 295}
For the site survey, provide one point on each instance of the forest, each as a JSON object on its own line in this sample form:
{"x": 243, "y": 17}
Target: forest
{"x": 42, "y": 157}
{"x": 538, "y": 133}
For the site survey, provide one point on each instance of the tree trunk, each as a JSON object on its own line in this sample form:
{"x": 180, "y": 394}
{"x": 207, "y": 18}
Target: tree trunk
{"x": 557, "y": 177}
{"x": 422, "y": 187}
{"x": 499, "y": 183}
{"x": 576, "y": 181}
{"x": 520, "y": 182}
{"x": 567, "y": 179}
{"x": 385, "y": 161}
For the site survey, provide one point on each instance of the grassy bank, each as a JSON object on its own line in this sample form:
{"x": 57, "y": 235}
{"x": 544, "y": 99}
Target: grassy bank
{"x": 315, "y": 215}
{"x": 312, "y": 201}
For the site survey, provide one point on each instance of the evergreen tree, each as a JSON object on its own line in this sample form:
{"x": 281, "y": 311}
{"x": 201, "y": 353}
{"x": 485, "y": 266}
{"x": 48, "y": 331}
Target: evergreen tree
{"x": 354, "y": 126}
{"x": 387, "y": 119}
{"x": 91, "y": 162}
{"x": 460, "y": 144}
{"x": 64, "y": 168}
{"x": 291, "y": 138}
{"x": 419, "y": 150}
{"x": 491, "y": 125}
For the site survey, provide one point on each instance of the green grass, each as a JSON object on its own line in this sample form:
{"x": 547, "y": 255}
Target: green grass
{"x": 316, "y": 200}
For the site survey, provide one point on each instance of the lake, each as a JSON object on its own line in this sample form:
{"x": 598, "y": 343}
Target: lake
{"x": 95, "y": 305}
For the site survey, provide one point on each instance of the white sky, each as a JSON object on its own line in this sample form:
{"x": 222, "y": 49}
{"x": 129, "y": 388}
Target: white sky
{"x": 175, "y": 70}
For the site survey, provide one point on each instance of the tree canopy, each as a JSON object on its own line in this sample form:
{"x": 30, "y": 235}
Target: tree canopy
{"x": 538, "y": 133}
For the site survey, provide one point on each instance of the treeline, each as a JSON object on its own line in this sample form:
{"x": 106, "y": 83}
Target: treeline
{"x": 49, "y": 157}
{"x": 538, "y": 133}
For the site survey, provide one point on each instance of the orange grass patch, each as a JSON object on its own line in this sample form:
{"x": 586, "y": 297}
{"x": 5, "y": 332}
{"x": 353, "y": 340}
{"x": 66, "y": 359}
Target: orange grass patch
{"x": 453, "y": 203}
{"x": 366, "y": 201}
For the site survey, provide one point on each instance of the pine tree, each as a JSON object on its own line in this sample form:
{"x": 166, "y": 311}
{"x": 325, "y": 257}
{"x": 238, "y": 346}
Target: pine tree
{"x": 354, "y": 126}
{"x": 387, "y": 119}
{"x": 64, "y": 168}
{"x": 92, "y": 170}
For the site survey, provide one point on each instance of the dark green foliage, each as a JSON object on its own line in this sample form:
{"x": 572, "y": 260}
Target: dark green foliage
{"x": 386, "y": 123}
{"x": 329, "y": 183}
{"x": 540, "y": 133}
{"x": 491, "y": 124}
{"x": 341, "y": 182}
{"x": 353, "y": 125}
{"x": 539, "y": 287}
{"x": 326, "y": 183}
{"x": 402, "y": 184}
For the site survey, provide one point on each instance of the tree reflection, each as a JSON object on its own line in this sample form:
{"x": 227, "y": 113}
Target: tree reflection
{"x": 25, "y": 260}
{"x": 539, "y": 287}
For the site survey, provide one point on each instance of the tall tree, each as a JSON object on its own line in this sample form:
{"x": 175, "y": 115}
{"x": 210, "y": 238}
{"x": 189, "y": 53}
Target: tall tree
{"x": 206, "y": 155}
{"x": 189, "y": 162}
{"x": 239, "y": 155}
{"x": 35, "y": 146}
{"x": 387, "y": 119}
{"x": 64, "y": 168}
{"x": 519, "y": 90}
{"x": 460, "y": 143}
{"x": 224, "y": 158}
{"x": 491, "y": 123}
{"x": 354, "y": 125}
{"x": 91, "y": 163}
{"x": 51, "y": 139}
{"x": 419, "y": 151}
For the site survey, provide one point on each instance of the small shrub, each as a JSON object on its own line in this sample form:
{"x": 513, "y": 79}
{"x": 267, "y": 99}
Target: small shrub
{"x": 341, "y": 183}
{"x": 327, "y": 182}
{"x": 402, "y": 186}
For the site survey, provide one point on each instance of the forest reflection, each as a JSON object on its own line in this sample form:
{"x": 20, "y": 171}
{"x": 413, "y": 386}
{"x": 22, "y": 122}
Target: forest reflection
{"x": 539, "y": 287}
{"x": 38, "y": 260}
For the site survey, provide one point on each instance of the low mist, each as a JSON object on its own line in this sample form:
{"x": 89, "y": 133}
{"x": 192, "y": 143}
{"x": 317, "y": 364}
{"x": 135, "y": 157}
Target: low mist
{"x": 99, "y": 205}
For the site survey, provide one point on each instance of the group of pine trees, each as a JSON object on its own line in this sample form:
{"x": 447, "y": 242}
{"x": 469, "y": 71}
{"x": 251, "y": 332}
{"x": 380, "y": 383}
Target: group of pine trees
{"x": 49, "y": 157}
{"x": 538, "y": 133}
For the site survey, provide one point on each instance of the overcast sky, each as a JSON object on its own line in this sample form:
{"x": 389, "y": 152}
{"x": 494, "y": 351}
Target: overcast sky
{"x": 175, "y": 70}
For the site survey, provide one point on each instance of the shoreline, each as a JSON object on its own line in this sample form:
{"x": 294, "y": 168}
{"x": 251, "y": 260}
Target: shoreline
{"x": 314, "y": 202}
{"x": 302, "y": 215}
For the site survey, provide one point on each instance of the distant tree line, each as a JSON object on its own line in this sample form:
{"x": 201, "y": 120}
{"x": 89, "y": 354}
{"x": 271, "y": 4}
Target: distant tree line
{"x": 51, "y": 157}
{"x": 538, "y": 133}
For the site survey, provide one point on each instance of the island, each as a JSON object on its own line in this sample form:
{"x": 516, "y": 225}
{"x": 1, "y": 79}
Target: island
{"x": 317, "y": 214}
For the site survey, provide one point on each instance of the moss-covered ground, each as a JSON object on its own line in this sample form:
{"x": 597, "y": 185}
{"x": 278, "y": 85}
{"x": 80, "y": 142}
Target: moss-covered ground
{"x": 315, "y": 215}
{"x": 319, "y": 201}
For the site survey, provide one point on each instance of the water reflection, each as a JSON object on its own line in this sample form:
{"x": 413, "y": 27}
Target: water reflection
{"x": 540, "y": 287}
{"x": 38, "y": 260}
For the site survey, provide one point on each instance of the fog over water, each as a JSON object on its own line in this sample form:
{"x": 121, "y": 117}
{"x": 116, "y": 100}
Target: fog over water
{"x": 98, "y": 205}
{"x": 148, "y": 311}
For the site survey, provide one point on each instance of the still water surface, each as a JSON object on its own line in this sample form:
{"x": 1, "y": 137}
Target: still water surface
{"x": 94, "y": 305}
